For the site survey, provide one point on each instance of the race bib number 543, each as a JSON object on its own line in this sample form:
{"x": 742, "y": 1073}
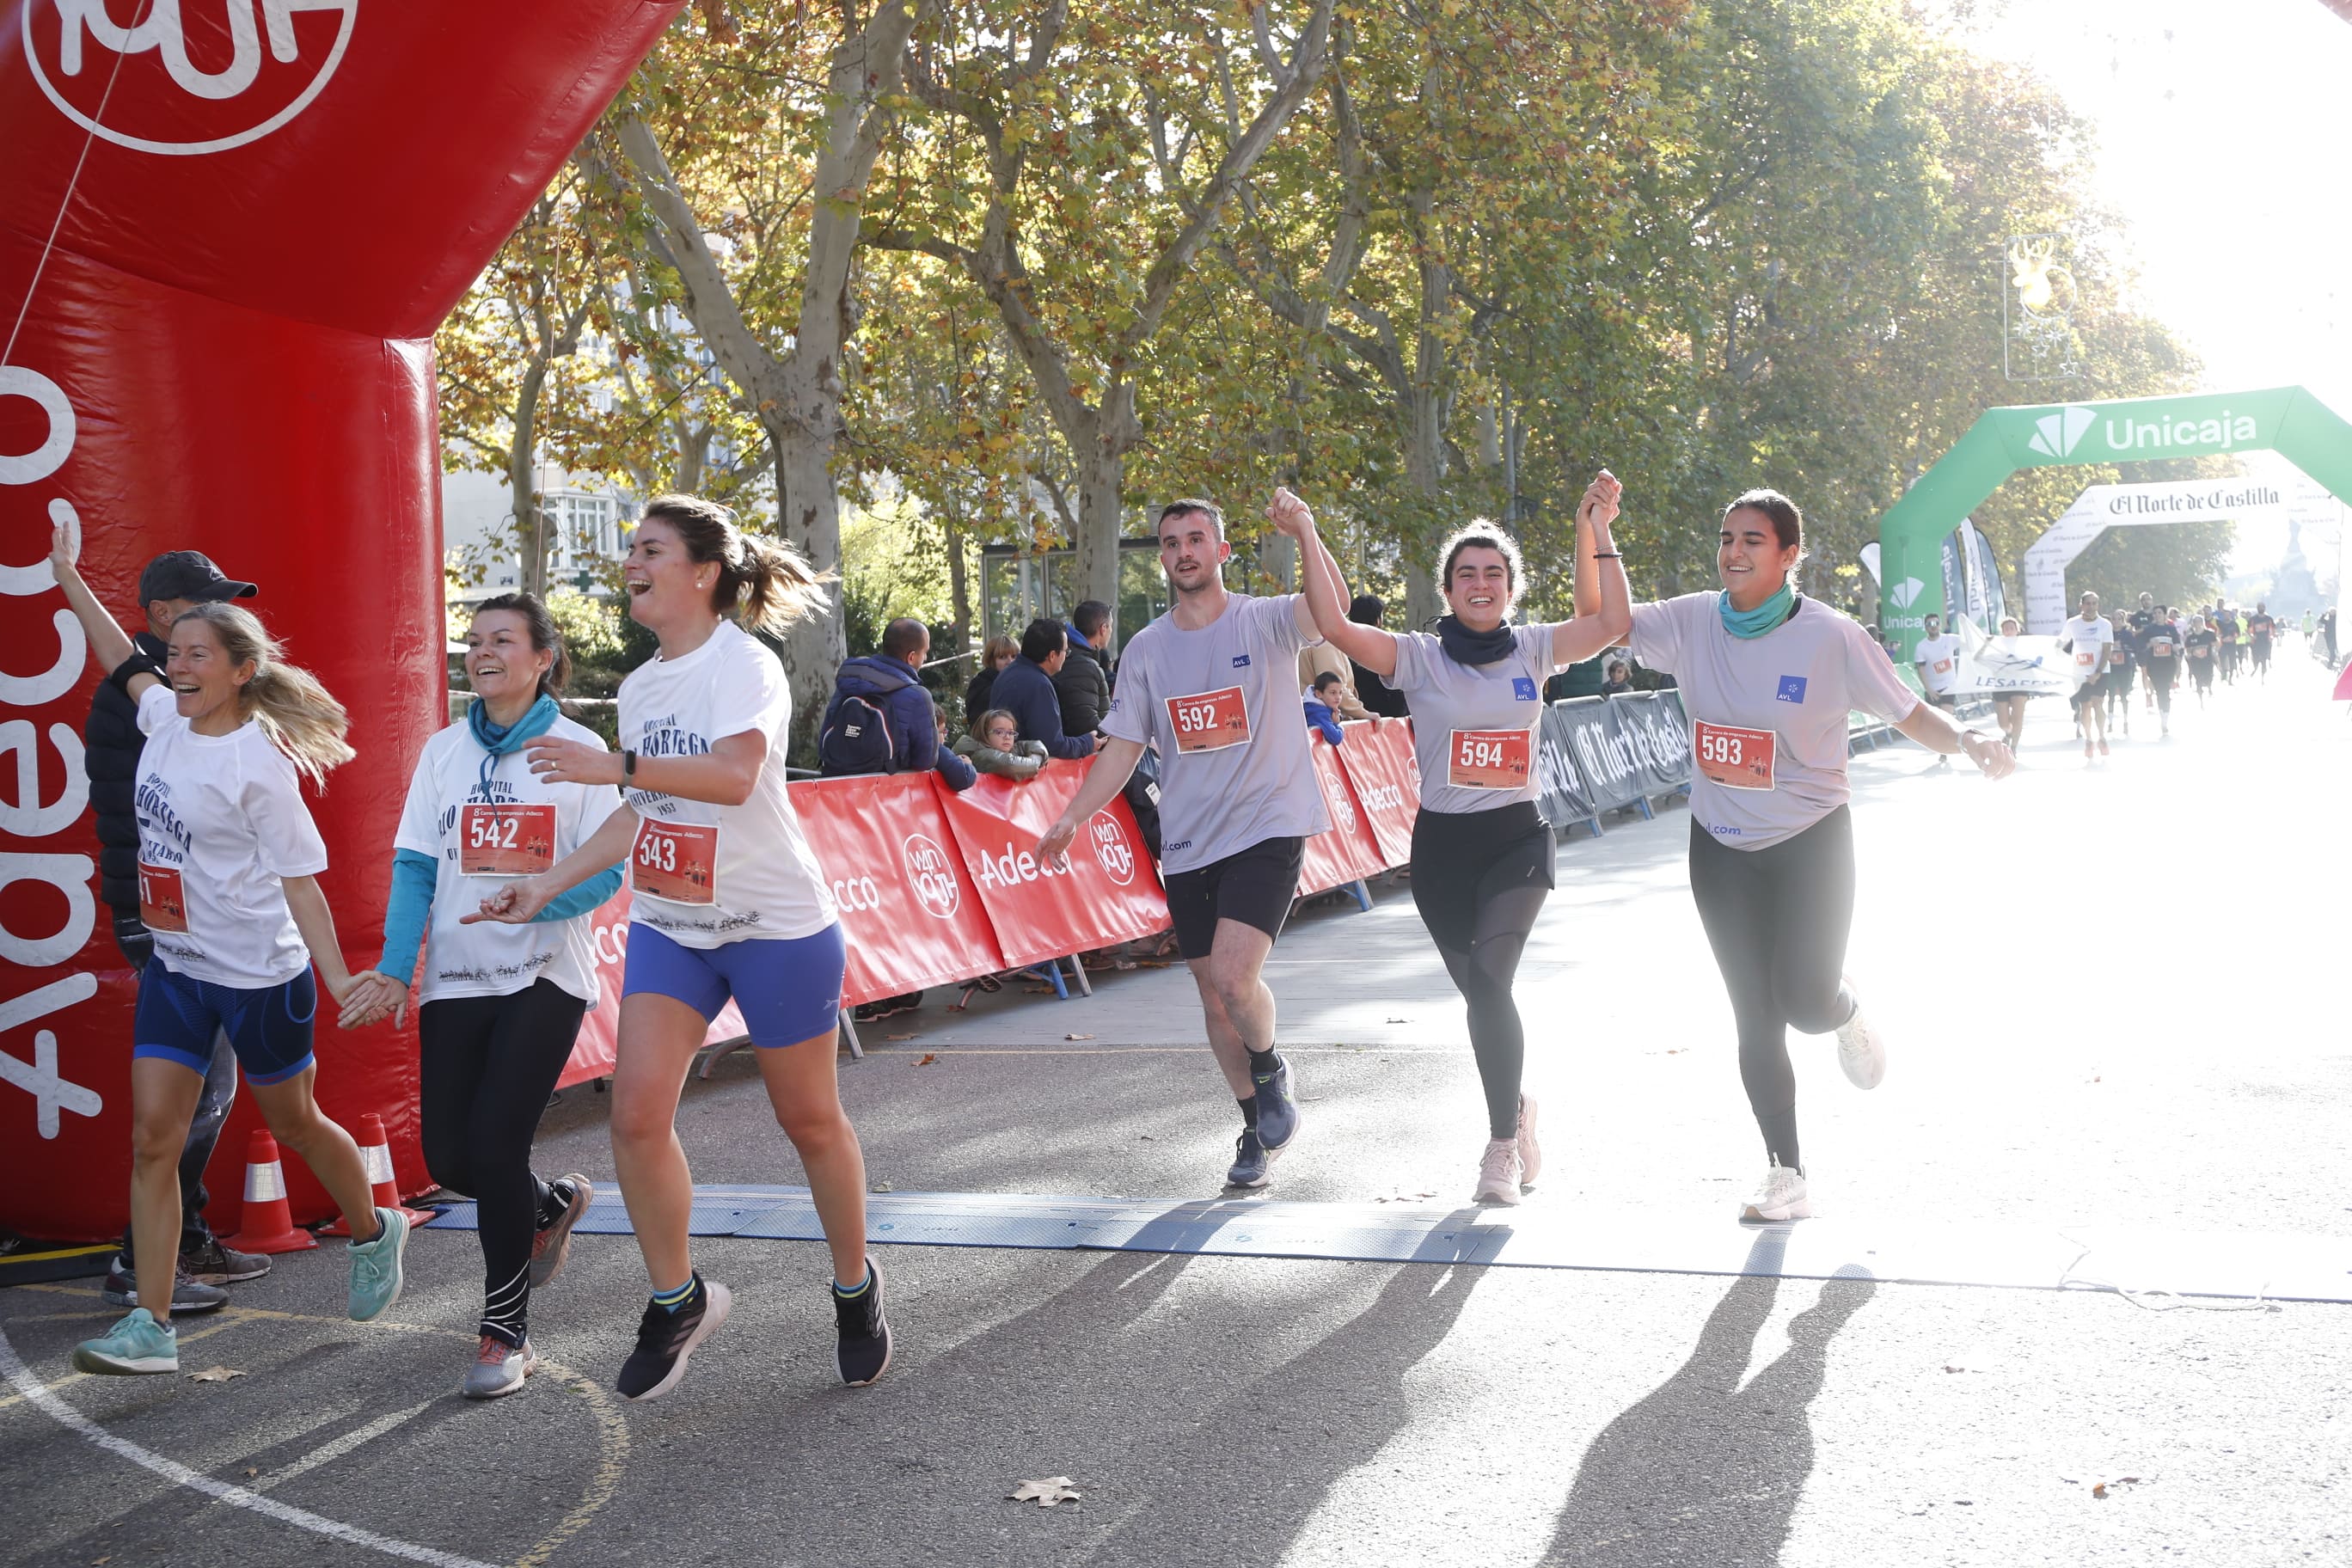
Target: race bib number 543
{"x": 1735, "y": 758}
{"x": 1209, "y": 720}
{"x": 676, "y": 861}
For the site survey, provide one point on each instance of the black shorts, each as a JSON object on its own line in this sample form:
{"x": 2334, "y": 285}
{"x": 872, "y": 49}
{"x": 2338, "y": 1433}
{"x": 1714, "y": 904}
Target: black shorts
{"x": 1254, "y": 886}
{"x": 1941, "y": 699}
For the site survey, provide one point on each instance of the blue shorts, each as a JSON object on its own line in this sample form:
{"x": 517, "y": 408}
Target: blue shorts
{"x": 788, "y": 989}
{"x": 179, "y": 1018}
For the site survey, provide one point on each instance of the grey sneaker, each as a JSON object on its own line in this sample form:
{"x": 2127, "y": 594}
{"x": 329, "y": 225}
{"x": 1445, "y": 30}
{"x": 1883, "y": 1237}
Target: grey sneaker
{"x": 498, "y": 1368}
{"x": 1251, "y": 1160}
{"x": 375, "y": 1267}
{"x": 218, "y": 1265}
{"x": 189, "y": 1294}
{"x": 553, "y": 1244}
{"x": 1277, "y": 1107}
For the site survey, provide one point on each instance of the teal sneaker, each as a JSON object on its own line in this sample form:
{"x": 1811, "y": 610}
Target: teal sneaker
{"x": 375, "y": 1267}
{"x": 135, "y": 1346}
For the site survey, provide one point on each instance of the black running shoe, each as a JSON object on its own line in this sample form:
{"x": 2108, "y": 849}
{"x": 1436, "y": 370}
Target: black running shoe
{"x": 666, "y": 1338}
{"x": 216, "y": 1264}
{"x": 189, "y": 1294}
{"x": 1250, "y": 1161}
{"x": 864, "y": 1352}
{"x": 1277, "y": 1107}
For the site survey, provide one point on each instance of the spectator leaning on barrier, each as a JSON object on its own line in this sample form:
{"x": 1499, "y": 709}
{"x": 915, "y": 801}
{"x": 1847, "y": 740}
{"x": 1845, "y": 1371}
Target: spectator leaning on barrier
{"x": 995, "y": 746}
{"x": 1083, "y": 683}
{"x": 1001, "y": 651}
{"x": 1026, "y": 690}
{"x": 952, "y": 766}
{"x": 1318, "y": 704}
{"x": 1322, "y": 659}
{"x": 885, "y": 684}
{"x": 171, "y": 584}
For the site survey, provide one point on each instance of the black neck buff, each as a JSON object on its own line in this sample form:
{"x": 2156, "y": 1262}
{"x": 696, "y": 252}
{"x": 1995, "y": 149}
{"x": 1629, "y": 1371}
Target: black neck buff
{"x": 1464, "y": 646}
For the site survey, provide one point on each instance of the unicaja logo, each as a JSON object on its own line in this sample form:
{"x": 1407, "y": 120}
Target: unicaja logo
{"x": 1906, "y": 592}
{"x": 2057, "y": 435}
{"x": 248, "y": 65}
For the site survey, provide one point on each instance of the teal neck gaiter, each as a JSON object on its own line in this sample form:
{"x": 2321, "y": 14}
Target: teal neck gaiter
{"x": 1755, "y": 623}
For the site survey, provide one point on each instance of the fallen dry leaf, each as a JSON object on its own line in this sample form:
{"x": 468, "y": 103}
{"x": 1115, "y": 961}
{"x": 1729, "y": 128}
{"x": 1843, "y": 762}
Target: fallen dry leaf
{"x": 927, "y": 1060}
{"x": 879, "y": 1187}
{"x": 2100, "y": 1489}
{"x": 1400, "y": 1020}
{"x": 253, "y": 1470}
{"x": 899, "y": 1036}
{"x": 1077, "y": 1036}
{"x": 214, "y": 1374}
{"x": 1047, "y": 1493}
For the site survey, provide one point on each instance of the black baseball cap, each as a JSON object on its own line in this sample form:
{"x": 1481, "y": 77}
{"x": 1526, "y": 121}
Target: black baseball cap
{"x": 188, "y": 575}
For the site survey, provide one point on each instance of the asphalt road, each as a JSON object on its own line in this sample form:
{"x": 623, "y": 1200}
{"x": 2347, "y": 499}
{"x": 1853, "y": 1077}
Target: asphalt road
{"x": 2113, "y": 996}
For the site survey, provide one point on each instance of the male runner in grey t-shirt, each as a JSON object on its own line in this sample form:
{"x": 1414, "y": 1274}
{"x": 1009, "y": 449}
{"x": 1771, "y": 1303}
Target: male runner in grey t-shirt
{"x": 1212, "y": 687}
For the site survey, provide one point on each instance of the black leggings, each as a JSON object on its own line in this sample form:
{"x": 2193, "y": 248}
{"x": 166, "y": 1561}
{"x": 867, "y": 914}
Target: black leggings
{"x": 488, "y": 1065}
{"x": 1778, "y": 919}
{"x": 1480, "y": 878}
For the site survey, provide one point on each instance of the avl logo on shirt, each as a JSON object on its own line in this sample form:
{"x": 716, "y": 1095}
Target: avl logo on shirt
{"x": 1793, "y": 688}
{"x": 1522, "y": 689}
{"x": 1241, "y": 662}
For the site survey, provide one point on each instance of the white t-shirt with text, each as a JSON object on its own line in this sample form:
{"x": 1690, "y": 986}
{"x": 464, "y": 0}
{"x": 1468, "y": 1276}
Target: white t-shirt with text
{"x": 2088, "y": 642}
{"x": 732, "y": 873}
{"x": 221, "y": 824}
{"x": 1938, "y": 659}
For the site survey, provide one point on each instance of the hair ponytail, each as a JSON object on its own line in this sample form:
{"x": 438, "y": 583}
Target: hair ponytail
{"x": 764, "y": 582}
{"x": 299, "y": 715}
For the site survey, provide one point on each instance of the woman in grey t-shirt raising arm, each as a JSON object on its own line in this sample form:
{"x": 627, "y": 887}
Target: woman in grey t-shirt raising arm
{"x": 1482, "y": 856}
{"x": 1767, "y": 679}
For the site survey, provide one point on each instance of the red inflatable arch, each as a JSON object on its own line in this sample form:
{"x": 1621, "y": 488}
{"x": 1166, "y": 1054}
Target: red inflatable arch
{"x": 227, "y": 231}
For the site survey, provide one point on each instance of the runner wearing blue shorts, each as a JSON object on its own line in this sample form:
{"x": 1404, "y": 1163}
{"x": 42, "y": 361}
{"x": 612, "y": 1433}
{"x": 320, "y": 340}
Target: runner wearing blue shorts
{"x": 228, "y": 867}
{"x": 729, "y": 903}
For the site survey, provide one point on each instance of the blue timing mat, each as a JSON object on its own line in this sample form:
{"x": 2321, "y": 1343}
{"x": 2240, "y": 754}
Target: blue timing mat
{"x": 2253, "y": 1265}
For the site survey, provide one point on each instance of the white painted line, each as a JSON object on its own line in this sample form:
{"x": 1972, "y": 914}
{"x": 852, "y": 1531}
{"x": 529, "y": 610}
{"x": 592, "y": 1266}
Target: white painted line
{"x": 328, "y": 1452}
{"x": 66, "y": 1416}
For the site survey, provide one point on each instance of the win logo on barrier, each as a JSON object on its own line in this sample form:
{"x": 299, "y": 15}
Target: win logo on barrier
{"x": 2057, "y": 435}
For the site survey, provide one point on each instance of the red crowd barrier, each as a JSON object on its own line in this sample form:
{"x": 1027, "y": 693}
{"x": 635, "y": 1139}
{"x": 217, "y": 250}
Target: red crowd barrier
{"x": 597, "y": 1049}
{"x": 1379, "y": 762}
{"x": 1106, "y": 892}
{"x": 1346, "y": 851}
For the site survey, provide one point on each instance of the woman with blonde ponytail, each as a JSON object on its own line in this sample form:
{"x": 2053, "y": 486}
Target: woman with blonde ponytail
{"x": 728, "y": 903}
{"x": 228, "y": 867}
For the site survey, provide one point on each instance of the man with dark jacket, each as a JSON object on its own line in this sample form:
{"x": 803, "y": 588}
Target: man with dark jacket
{"x": 1026, "y": 690}
{"x": 1083, "y": 683}
{"x": 171, "y": 584}
{"x": 890, "y": 680}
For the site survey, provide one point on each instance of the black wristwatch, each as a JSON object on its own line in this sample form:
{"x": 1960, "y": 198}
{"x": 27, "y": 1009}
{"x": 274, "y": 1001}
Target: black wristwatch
{"x": 629, "y": 767}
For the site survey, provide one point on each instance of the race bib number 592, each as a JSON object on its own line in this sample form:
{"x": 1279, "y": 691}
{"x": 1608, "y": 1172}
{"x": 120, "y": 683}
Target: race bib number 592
{"x": 1209, "y": 720}
{"x": 676, "y": 861}
{"x": 1735, "y": 758}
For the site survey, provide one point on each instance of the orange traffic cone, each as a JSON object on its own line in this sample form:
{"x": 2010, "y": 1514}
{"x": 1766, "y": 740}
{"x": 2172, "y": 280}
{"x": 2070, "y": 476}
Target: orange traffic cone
{"x": 267, "y": 1224}
{"x": 375, "y": 1153}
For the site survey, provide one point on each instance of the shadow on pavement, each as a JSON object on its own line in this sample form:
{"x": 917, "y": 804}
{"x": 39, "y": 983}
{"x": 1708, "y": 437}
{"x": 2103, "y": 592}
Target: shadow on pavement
{"x": 1706, "y": 1470}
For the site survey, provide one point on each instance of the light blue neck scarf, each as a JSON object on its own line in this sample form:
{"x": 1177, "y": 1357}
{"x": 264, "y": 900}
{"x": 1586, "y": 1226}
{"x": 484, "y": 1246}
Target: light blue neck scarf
{"x": 1755, "y": 623}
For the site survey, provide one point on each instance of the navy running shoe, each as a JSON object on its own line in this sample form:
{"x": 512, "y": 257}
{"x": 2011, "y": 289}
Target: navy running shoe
{"x": 666, "y": 1338}
{"x": 1252, "y": 1160}
{"x": 864, "y": 1352}
{"x": 1277, "y": 1107}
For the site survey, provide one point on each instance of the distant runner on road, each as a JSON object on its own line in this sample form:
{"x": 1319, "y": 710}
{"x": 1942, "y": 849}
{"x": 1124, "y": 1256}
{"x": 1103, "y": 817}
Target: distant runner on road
{"x": 2261, "y": 627}
{"x": 1212, "y": 686}
{"x": 2200, "y": 645}
{"x": 1767, "y": 679}
{"x": 2160, "y": 661}
{"x": 1481, "y": 855}
{"x": 2087, "y": 637}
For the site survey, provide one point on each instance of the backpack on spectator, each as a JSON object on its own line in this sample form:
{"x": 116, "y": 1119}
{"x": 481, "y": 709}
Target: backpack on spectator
{"x": 856, "y": 738}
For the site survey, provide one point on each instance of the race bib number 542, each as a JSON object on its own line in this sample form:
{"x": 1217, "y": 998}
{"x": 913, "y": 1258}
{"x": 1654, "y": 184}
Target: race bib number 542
{"x": 506, "y": 840}
{"x": 1209, "y": 720}
{"x": 1735, "y": 758}
{"x": 676, "y": 861}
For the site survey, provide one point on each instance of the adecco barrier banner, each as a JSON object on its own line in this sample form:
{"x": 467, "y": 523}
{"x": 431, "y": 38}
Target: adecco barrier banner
{"x": 1106, "y": 892}
{"x": 598, "y": 1047}
{"x": 911, "y": 915}
{"x": 226, "y": 235}
{"x": 1346, "y": 851}
{"x": 1379, "y": 762}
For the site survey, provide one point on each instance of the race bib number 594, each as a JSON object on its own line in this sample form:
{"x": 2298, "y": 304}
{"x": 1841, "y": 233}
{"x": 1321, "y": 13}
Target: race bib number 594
{"x": 1486, "y": 759}
{"x": 1209, "y": 720}
{"x": 1735, "y": 758}
{"x": 676, "y": 861}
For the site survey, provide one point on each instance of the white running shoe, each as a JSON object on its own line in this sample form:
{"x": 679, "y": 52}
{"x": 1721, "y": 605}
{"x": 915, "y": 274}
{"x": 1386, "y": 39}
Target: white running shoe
{"x": 1780, "y": 1196}
{"x": 1860, "y": 1050}
{"x": 1531, "y": 1152}
{"x": 1498, "y": 1172}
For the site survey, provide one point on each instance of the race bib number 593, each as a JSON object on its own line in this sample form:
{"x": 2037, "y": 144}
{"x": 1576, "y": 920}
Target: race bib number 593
{"x": 676, "y": 861}
{"x": 1735, "y": 758}
{"x": 1209, "y": 720}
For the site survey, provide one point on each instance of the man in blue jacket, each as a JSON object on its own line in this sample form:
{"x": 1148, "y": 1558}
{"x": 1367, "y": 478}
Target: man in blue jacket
{"x": 891, "y": 681}
{"x": 1026, "y": 690}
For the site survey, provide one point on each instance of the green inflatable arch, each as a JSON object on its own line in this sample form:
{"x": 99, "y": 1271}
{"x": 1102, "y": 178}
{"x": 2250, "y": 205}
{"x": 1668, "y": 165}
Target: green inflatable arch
{"x": 2284, "y": 419}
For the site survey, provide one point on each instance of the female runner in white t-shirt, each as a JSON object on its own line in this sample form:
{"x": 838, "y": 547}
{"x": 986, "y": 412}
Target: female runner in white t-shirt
{"x": 728, "y": 902}
{"x": 228, "y": 867}
{"x": 1767, "y": 679}
{"x": 501, "y": 1005}
{"x": 1482, "y": 854}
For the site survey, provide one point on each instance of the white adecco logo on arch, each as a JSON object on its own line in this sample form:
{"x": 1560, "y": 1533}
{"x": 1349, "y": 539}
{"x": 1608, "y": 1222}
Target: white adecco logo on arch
{"x": 258, "y": 62}
{"x": 2057, "y": 435}
{"x": 931, "y": 875}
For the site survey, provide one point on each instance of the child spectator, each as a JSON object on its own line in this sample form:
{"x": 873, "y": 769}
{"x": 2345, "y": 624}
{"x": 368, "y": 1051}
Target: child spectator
{"x": 995, "y": 746}
{"x": 952, "y": 766}
{"x": 1319, "y": 703}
